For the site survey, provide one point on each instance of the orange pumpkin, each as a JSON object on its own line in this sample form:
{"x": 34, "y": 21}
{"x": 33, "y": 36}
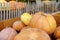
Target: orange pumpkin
{"x": 20, "y": 5}
{"x": 12, "y": 5}
{"x": 32, "y": 34}
{"x": 18, "y": 25}
{"x": 43, "y": 21}
{"x": 57, "y": 32}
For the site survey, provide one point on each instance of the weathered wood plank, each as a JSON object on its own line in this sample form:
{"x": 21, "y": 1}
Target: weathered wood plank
{"x": 8, "y": 23}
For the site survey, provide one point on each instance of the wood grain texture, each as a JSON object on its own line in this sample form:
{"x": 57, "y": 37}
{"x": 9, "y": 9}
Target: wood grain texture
{"x": 8, "y": 23}
{"x": 57, "y": 18}
{"x": 1, "y": 25}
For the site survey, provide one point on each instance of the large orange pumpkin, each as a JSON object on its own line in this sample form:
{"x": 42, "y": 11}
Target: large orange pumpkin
{"x": 43, "y": 21}
{"x": 32, "y": 34}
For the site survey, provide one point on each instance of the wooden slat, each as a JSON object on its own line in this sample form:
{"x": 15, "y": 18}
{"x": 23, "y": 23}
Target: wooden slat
{"x": 57, "y": 18}
{"x": 8, "y": 23}
{"x": 1, "y": 25}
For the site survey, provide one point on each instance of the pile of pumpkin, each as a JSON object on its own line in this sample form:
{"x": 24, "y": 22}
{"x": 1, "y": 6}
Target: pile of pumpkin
{"x": 12, "y": 5}
{"x": 38, "y": 26}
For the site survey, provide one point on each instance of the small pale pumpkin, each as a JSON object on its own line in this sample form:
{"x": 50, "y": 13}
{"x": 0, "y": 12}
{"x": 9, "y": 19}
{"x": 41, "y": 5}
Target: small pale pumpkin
{"x": 18, "y": 25}
{"x": 25, "y": 18}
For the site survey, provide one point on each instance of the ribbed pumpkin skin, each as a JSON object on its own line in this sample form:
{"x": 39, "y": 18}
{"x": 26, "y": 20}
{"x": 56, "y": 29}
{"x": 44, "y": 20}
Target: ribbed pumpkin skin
{"x": 18, "y": 25}
{"x": 57, "y": 32}
{"x": 45, "y": 22}
{"x": 32, "y": 34}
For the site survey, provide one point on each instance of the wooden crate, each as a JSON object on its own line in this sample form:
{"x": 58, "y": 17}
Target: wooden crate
{"x": 57, "y": 18}
{"x": 1, "y": 25}
{"x": 8, "y": 23}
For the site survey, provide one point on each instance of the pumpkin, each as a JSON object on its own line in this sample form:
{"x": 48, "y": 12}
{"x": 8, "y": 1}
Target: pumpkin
{"x": 57, "y": 32}
{"x": 25, "y": 18}
{"x": 43, "y": 21}
{"x": 12, "y": 5}
{"x": 32, "y": 34}
{"x": 20, "y": 5}
{"x": 18, "y": 25}
{"x": 3, "y": 4}
{"x": 8, "y": 34}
